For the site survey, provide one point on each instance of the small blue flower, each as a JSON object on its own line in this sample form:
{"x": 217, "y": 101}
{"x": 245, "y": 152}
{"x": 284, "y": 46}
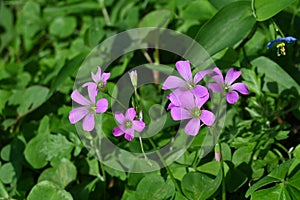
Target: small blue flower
{"x": 288, "y": 39}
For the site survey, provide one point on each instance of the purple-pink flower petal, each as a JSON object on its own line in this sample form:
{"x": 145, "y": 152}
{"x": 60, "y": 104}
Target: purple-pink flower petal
{"x": 200, "y": 91}
{"x": 120, "y": 117}
{"x": 78, "y": 98}
{"x": 216, "y": 74}
{"x": 138, "y": 125}
{"x": 184, "y": 69}
{"x": 129, "y": 134}
{"x": 101, "y": 105}
{"x": 173, "y": 82}
{"x": 187, "y": 100}
{"x": 130, "y": 114}
{"x": 192, "y": 127}
{"x": 77, "y": 114}
{"x": 105, "y": 77}
{"x": 232, "y": 97}
{"x": 215, "y": 87}
{"x": 179, "y": 113}
{"x": 201, "y": 101}
{"x": 207, "y": 117}
{"x": 240, "y": 87}
{"x": 88, "y": 123}
{"x": 117, "y": 131}
{"x": 200, "y": 75}
{"x": 97, "y": 77}
{"x": 231, "y": 76}
{"x": 92, "y": 91}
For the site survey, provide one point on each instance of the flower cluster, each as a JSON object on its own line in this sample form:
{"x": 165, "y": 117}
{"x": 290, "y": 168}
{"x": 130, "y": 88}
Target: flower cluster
{"x": 89, "y": 107}
{"x": 188, "y": 97}
{"x": 186, "y": 100}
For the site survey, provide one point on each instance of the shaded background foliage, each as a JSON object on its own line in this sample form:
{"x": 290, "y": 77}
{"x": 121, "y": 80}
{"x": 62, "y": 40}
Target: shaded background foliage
{"x": 42, "y": 44}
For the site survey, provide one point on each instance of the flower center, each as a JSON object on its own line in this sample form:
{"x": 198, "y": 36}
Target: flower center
{"x": 100, "y": 85}
{"x": 92, "y": 109}
{"x": 196, "y": 112}
{"x": 190, "y": 85}
{"x": 128, "y": 124}
{"x": 281, "y": 49}
{"x": 227, "y": 88}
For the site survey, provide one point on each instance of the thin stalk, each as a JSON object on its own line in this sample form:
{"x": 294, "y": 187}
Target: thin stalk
{"x": 223, "y": 174}
{"x": 104, "y": 12}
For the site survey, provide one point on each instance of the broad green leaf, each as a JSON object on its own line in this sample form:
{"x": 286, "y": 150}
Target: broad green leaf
{"x": 294, "y": 181}
{"x": 235, "y": 179}
{"x": 157, "y": 18}
{"x": 57, "y": 147}
{"x": 7, "y": 173}
{"x": 276, "y": 79}
{"x": 69, "y": 69}
{"x": 221, "y": 3}
{"x": 3, "y": 192}
{"x": 62, "y": 174}
{"x": 47, "y": 190}
{"x": 5, "y": 152}
{"x": 63, "y": 26}
{"x": 29, "y": 99}
{"x": 277, "y": 192}
{"x": 33, "y": 151}
{"x": 265, "y": 9}
{"x": 200, "y": 186}
{"x": 29, "y": 22}
{"x": 277, "y": 175}
{"x": 154, "y": 187}
{"x": 192, "y": 10}
{"x": 229, "y": 26}
{"x": 78, "y": 7}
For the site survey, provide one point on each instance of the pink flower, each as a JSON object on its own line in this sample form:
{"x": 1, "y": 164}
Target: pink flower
{"x": 188, "y": 83}
{"x": 99, "y": 79}
{"x": 127, "y": 124}
{"x": 189, "y": 107}
{"x": 88, "y": 109}
{"x": 226, "y": 86}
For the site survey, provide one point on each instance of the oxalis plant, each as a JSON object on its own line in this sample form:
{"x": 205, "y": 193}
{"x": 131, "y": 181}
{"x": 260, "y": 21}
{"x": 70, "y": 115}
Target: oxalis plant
{"x": 142, "y": 100}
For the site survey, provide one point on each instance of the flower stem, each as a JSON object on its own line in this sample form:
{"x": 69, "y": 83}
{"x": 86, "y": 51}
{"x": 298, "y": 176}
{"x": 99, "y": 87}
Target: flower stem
{"x": 223, "y": 174}
{"x": 166, "y": 166}
{"x": 142, "y": 148}
{"x": 104, "y": 12}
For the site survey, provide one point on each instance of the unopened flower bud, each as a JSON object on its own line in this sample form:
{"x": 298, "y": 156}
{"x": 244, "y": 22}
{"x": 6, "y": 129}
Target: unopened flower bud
{"x": 133, "y": 78}
{"x": 218, "y": 154}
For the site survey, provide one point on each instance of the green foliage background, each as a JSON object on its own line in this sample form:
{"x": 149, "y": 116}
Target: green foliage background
{"x": 43, "y": 43}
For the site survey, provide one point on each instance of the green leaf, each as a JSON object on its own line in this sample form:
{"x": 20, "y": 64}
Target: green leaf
{"x": 154, "y": 187}
{"x": 277, "y": 192}
{"x": 57, "y": 146}
{"x": 47, "y": 190}
{"x": 69, "y": 69}
{"x": 265, "y": 9}
{"x": 229, "y": 26}
{"x": 33, "y": 151}
{"x": 294, "y": 181}
{"x": 235, "y": 179}
{"x": 62, "y": 174}
{"x": 7, "y": 173}
{"x": 199, "y": 186}
{"x": 157, "y": 18}
{"x": 192, "y": 10}
{"x": 276, "y": 79}
{"x": 3, "y": 192}
{"x": 29, "y": 99}
{"x": 63, "y": 26}
{"x": 277, "y": 175}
